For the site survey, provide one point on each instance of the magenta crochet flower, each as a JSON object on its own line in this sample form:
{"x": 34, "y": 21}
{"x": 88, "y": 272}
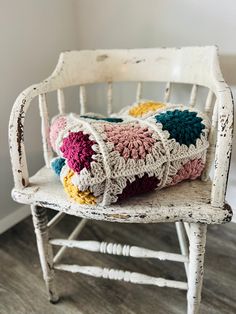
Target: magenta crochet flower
{"x": 57, "y": 125}
{"x": 131, "y": 141}
{"x": 76, "y": 148}
{"x": 191, "y": 170}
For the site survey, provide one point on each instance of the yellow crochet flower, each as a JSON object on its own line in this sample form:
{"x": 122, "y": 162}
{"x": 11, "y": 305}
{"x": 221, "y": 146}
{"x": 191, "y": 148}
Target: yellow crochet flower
{"x": 80, "y": 197}
{"x": 145, "y": 107}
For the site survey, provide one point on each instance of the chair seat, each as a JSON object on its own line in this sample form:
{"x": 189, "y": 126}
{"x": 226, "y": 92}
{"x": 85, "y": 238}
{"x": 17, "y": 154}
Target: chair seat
{"x": 188, "y": 201}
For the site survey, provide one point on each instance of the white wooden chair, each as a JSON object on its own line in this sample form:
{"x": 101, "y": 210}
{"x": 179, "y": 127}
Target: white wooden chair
{"x": 191, "y": 205}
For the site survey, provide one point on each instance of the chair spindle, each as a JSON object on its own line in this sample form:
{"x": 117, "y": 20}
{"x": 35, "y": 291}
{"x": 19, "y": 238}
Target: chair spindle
{"x": 109, "y": 98}
{"x": 61, "y": 101}
{"x": 47, "y": 150}
{"x": 83, "y": 99}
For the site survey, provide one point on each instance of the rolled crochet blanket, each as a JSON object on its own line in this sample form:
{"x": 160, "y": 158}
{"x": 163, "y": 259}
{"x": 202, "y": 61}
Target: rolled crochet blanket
{"x": 105, "y": 160}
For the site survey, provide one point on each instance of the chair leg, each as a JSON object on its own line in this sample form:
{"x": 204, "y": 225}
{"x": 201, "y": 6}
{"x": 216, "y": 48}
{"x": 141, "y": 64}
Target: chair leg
{"x": 45, "y": 250}
{"x": 197, "y": 243}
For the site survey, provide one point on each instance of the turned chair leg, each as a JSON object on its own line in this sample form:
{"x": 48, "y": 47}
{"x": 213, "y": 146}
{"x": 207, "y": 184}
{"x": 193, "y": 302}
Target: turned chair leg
{"x": 45, "y": 250}
{"x": 197, "y": 243}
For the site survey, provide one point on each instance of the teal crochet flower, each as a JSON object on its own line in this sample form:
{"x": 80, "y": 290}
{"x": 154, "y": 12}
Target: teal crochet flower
{"x": 184, "y": 126}
{"x": 114, "y": 120}
{"x": 57, "y": 165}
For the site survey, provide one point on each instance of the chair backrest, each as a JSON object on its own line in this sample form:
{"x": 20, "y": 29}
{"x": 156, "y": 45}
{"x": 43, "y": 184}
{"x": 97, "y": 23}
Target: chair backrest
{"x": 191, "y": 65}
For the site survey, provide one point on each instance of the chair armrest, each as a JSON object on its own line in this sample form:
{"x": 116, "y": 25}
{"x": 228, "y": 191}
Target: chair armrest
{"x": 16, "y": 137}
{"x": 223, "y": 142}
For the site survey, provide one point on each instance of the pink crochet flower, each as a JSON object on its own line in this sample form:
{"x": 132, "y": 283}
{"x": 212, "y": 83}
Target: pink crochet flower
{"x": 57, "y": 125}
{"x": 76, "y": 148}
{"x": 191, "y": 170}
{"x": 131, "y": 141}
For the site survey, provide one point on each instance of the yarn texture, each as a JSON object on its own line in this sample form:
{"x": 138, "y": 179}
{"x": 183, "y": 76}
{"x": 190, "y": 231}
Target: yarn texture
{"x": 80, "y": 197}
{"x": 131, "y": 140}
{"x": 144, "y": 107}
{"x": 77, "y": 149}
{"x": 57, "y": 164}
{"x": 184, "y": 126}
{"x": 139, "y": 186}
{"x": 58, "y": 124}
{"x": 143, "y": 148}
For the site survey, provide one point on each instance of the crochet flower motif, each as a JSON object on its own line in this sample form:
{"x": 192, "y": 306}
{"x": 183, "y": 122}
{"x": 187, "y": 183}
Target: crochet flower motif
{"x": 76, "y": 148}
{"x": 131, "y": 141}
{"x": 145, "y": 107}
{"x": 57, "y": 125}
{"x": 139, "y": 186}
{"x": 191, "y": 170}
{"x": 85, "y": 197}
{"x": 184, "y": 126}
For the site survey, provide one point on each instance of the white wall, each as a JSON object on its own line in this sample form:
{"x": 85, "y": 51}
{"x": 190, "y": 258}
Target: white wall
{"x": 152, "y": 23}
{"x": 32, "y": 34}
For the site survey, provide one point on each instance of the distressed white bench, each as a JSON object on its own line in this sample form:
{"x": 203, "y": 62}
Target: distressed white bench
{"x": 191, "y": 205}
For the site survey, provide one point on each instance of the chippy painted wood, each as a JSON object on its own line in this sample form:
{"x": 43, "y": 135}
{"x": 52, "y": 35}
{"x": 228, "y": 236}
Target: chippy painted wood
{"x": 196, "y": 265}
{"x": 47, "y": 150}
{"x": 45, "y": 250}
{"x": 192, "y": 65}
{"x": 119, "y": 249}
{"x": 115, "y": 274}
{"x": 187, "y": 201}
{"x": 194, "y": 202}
{"x": 22, "y": 287}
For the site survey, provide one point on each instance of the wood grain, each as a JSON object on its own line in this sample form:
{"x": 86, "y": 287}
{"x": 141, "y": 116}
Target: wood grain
{"x": 22, "y": 288}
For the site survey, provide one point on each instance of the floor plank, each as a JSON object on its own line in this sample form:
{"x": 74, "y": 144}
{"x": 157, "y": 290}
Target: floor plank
{"x": 22, "y": 288}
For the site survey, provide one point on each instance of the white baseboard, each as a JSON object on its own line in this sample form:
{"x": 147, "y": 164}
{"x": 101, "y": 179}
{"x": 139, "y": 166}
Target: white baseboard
{"x": 13, "y": 218}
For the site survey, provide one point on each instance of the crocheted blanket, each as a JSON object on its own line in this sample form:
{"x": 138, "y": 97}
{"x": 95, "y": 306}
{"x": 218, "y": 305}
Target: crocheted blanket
{"x": 145, "y": 147}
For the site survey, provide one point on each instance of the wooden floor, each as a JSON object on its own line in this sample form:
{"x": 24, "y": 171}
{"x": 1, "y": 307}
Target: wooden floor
{"x": 22, "y": 287}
